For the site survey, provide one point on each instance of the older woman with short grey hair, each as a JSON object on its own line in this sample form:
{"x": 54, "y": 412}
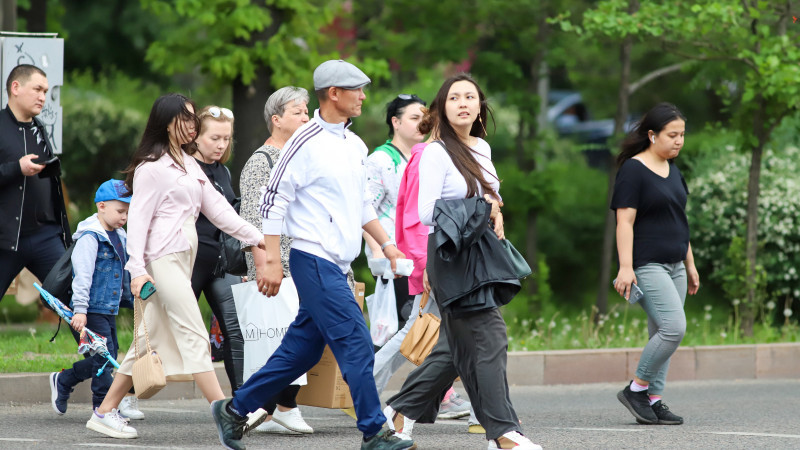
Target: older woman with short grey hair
{"x": 286, "y": 110}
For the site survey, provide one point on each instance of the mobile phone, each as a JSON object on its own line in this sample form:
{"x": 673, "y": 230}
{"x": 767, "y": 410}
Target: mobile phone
{"x": 147, "y": 290}
{"x": 42, "y": 160}
{"x": 635, "y": 295}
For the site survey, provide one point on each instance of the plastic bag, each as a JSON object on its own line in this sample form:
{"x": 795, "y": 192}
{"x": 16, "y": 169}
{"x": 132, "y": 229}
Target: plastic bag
{"x": 264, "y": 321}
{"x": 382, "y": 309}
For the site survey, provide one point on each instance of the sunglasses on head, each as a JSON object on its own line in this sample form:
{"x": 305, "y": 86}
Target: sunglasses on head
{"x": 216, "y": 112}
{"x": 411, "y": 97}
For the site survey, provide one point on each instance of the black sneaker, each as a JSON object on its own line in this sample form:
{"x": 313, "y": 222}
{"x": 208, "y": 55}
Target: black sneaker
{"x": 230, "y": 427}
{"x": 665, "y": 416}
{"x": 58, "y": 394}
{"x": 638, "y": 403}
{"x": 387, "y": 440}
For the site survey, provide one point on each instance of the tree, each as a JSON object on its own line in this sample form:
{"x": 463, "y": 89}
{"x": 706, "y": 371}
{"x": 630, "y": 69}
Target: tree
{"x": 746, "y": 53}
{"x": 253, "y": 46}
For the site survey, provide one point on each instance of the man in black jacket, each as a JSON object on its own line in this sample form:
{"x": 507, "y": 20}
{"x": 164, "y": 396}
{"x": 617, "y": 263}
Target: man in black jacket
{"x": 33, "y": 230}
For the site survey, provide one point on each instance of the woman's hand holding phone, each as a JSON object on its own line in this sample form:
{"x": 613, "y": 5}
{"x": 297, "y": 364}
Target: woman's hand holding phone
{"x": 138, "y": 283}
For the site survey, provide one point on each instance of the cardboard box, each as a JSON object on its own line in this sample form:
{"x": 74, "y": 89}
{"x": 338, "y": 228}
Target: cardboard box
{"x": 326, "y": 387}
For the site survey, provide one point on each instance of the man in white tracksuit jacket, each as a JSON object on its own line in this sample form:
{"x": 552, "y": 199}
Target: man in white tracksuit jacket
{"x": 318, "y": 191}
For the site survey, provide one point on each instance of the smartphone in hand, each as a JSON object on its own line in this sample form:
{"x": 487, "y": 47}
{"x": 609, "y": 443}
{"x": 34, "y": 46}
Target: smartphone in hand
{"x": 44, "y": 160}
{"x": 635, "y": 295}
{"x": 147, "y": 290}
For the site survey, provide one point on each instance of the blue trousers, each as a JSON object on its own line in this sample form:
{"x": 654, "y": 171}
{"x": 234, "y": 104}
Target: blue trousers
{"x": 328, "y": 315}
{"x": 106, "y": 326}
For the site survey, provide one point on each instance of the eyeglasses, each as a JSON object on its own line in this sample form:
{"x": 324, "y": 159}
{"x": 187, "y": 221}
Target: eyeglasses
{"x": 411, "y": 97}
{"x": 216, "y": 111}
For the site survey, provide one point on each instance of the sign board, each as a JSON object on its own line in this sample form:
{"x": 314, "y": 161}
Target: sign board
{"x": 46, "y": 53}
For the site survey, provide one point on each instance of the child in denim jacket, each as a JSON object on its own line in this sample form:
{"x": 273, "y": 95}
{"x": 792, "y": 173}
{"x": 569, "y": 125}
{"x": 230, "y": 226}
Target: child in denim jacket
{"x": 99, "y": 286}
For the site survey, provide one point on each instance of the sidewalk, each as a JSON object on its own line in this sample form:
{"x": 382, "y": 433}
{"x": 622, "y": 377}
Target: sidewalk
{"x": 760, "y": 361}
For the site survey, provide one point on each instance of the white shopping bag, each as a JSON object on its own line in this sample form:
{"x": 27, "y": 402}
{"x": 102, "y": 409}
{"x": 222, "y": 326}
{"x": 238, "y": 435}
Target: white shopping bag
{"x": 382, "y": 309}
{"x": 264, "y": 321}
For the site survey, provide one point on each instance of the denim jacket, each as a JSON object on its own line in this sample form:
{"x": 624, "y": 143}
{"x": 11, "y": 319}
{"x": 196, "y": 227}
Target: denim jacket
{"x": 100, "y": 282}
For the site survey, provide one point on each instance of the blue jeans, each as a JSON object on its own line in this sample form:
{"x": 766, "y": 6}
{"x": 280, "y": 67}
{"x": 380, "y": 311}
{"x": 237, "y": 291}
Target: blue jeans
{"x": 329, "y": 315}
{"x": 664, "y": 287}
{"x": 106, "y": 326}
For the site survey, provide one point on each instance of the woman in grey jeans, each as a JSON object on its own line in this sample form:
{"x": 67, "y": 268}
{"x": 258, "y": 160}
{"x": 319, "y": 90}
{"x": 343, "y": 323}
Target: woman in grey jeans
{"x": 654, "y": 251}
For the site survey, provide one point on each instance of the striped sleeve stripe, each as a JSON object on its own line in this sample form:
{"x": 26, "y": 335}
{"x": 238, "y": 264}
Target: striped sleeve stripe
{"x": 280, "y": 169}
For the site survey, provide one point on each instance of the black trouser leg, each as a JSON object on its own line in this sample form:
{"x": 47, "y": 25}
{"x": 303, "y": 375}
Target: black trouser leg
{"x": 479, "y": 343}
{"x": 286, "y": 398}
{"x": 425, "y": 387}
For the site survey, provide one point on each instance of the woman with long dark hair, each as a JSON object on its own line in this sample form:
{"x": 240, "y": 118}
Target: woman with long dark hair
{"x": 169, "y": 191}
{"x": 655, "y": 256}
{"x": 457, "y": 169}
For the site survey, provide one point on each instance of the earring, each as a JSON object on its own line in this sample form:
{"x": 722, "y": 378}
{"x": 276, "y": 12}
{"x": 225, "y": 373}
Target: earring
{"x": 653, "y": 139}
{"x": 482, "y": 125}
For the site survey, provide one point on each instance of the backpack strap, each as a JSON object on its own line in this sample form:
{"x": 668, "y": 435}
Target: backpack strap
{"x": 269, "y": 158}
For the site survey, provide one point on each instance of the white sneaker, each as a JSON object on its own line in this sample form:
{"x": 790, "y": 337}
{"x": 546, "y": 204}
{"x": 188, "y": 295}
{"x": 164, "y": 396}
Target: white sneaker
{"x": 403, "y": 432}
{"x": 292, "y": 419}
{"x": 273, "y": 427}
{"x": 129, "y": 407}
{"x": 111, "y": 424}
{"x": 519, "y": 442}
{"x": 254, "y": 419}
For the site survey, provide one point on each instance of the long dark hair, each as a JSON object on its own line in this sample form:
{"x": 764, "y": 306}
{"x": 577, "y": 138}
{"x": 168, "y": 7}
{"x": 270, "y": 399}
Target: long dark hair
{"x": 460, "y": 153}
{"x": 397, "y": 107}
{"x": 638, "y": 140}
{"x": 155, "y": 139}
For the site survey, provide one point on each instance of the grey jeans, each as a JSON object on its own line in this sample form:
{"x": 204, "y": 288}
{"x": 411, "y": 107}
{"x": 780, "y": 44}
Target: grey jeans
{"x": 664, "y": 287}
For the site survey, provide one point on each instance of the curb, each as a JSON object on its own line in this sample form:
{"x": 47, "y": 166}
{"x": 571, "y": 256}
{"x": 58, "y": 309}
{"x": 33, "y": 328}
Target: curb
{"x": 758, "y": 361}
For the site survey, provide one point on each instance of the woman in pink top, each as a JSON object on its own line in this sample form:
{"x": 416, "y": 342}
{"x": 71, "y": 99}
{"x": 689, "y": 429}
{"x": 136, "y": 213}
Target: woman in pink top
{"x": 169, "y": 191}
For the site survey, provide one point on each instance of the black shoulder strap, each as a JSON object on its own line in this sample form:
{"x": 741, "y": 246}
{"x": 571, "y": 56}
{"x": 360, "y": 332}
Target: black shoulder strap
{"x": 269, "y": 158}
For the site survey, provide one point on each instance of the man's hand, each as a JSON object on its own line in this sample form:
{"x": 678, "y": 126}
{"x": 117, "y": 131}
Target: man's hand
{"x": 27, "y": 167}
{"x": 78, "y": 322}
{"x": 393, "y": 254}
{"x": 269, "y": 279}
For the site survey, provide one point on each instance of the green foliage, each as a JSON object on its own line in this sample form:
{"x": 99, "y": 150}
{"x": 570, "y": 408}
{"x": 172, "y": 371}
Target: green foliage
{"x": 236, "y": 39}
{"x": 717, "y": 214}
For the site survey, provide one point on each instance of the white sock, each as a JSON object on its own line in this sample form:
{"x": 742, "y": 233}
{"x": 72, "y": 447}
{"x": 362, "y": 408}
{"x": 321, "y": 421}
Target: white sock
{"x": 635, "y": 387}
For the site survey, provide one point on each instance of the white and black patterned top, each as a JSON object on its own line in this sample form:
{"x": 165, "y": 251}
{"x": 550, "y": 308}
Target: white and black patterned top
{"x": 255, "y": 174}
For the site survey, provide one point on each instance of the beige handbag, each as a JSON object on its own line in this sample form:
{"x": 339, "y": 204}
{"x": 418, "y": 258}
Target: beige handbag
{"x": 422, "y": 335}
{"x": 147, "y": 372}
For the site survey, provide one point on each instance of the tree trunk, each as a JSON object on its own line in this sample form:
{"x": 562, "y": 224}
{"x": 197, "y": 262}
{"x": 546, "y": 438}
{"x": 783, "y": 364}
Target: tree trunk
{"x": 250, "y": 128}
{"x": 619, "y": 126}
{"x": 8, "y": 15}
{"x": 35, "y": 16}
{"x": 750, "y": 306}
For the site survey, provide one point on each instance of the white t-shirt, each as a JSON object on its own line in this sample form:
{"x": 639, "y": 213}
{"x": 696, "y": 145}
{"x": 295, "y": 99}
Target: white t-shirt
{"x": 439, "y": 178}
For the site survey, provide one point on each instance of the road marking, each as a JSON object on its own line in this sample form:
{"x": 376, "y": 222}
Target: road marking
{"x": 19, "y": 440}
{"x": 104, "y": 445}
{"x": 172, "y": 410}
{"x": 627, "y": 430}
{"x": 746, "y": 433}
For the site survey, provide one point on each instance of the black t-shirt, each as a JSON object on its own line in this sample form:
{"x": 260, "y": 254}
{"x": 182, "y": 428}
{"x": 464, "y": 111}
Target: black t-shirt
{"x": 38, "y": 207}
{"x": 661, "y": 229}
{"x": 220, "y": 178}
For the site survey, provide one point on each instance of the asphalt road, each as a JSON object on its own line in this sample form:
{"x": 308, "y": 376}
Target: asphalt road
{"x": 719, "y": 414}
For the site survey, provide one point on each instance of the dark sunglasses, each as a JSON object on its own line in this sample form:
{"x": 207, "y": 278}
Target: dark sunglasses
{"x": 411, "y": 97}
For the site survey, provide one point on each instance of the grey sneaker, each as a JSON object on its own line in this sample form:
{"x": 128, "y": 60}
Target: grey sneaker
{"x": 229, "y": 427}
{"x": 387, "y": 440}
{"x": 453, "y": 407}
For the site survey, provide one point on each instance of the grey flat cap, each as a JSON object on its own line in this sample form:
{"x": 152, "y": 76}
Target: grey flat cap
{"x": 339, "y": 73}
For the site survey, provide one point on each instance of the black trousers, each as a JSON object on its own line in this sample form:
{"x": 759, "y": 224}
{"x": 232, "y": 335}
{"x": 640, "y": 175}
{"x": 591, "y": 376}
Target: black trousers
{"x": 37, "y": 252}
{"x": 220, "y": 299}
{"x": 424, "y": 389}
{"x": 479, "y": 342}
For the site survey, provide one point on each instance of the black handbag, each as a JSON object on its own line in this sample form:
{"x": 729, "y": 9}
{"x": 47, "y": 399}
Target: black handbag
{"x": 231, "y": 256}
{"x": 521, "y": 267}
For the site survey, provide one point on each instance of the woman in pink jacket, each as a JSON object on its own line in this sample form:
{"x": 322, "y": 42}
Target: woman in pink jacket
{"x": 169, "y": 191}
